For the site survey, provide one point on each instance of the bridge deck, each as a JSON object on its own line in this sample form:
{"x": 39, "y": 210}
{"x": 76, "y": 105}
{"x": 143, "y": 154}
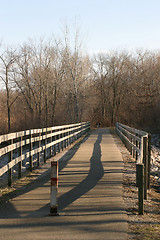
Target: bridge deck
{"x": 90, "y": 198}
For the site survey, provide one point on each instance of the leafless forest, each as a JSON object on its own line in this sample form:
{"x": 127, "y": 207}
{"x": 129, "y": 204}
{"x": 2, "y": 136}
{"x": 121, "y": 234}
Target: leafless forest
{"x": 46, "y": 83}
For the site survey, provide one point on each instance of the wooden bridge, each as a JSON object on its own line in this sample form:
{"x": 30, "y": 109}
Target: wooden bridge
{"x": 90, "y": 198}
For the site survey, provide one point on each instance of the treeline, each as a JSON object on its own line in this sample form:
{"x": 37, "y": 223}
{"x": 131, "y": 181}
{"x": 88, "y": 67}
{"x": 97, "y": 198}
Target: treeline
{"x": 49, "y": 83}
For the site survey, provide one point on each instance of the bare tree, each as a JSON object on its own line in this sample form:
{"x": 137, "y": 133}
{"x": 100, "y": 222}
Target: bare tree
{"x": 74, "y": 66}
{"x": 8, "y": 59}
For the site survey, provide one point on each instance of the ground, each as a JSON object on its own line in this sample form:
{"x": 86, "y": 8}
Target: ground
{"x": 141, "y": 227}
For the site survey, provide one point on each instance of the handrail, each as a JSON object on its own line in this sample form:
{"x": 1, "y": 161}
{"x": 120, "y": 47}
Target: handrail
{"x": 10, "y": 136}
{"x": 133, "y": 139}
{"x": 139, "y": 145}
{"x": 133, "y": 130}
{"x": 36, "y": 141}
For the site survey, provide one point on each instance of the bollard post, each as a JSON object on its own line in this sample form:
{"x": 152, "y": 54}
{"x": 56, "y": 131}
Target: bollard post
{"x": 54, "y": 189}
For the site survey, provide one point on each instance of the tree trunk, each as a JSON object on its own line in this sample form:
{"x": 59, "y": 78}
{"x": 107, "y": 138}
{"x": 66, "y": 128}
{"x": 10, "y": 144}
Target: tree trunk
{"x": 8, "y": 102}
{"x": 54, "y": 104}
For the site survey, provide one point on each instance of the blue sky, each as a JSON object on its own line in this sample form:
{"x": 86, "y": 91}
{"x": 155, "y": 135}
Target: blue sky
{"x": 104, "y": 24}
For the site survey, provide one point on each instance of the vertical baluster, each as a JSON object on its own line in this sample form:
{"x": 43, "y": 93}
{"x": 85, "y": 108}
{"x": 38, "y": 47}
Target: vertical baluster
{"x": 39, "y": 152}
{"x": 58, "y": 137}
{"x": 10, "y": 155}
{"x": 145, "y": 162}
{"x": 149, "y": 158}
{"x": 30, "y": 157}
{"x": 54, "y": 146}
{"x": 20, "y": 163}
{"x": 45, "y": 142}
{"x": 50, "y": 148}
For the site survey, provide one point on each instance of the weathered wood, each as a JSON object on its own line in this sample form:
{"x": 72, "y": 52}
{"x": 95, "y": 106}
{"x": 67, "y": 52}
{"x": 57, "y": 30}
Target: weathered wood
{"x": 20, "y": 162}
{"x": 10, "y": 155}
{"x": 31, "y": 156}
{"x": 50, "y": 148}
{"x": 137, "y": 143}
{"x": 38, "y": 154}
{"x": 145, "y": 162}
{"x": 149, "y": 158}
{"x": 37, "y": 136}
{"x": 140, "y": 169}
{"x": 140, "y": 142}
{"x": 45, "y": 143}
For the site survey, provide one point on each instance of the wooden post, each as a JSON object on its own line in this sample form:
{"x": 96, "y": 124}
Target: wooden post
{"x": 137, "y": 147}
{"x": 62, "y": 142}
{"x": 145, "y": 162}
{"x": 45, "y": 151}
{"x": 58, "y": 137}
{"x": 10, "y": 155}
{"x": 54, "y": 146}
{"x": 140, "y": 142}
{"x": 134, "y": 152}
{"x": 31, "y": 157}
{"x": 20, "y": 163}
{"x": 137, "y": 175}
{"x": 39, "y": 145}
{"x": 73, "y": 136}
{"x": 50, "y": 148}
{"x": 81, "y": 133}
{"x": 52, "y": 142}
{"x": 70, "y": 138}
{"x": 65, "y": 141}
{"x": 140, "y": 168}
{"x": 131, "y": 148}
{"x": 149, "y": 158}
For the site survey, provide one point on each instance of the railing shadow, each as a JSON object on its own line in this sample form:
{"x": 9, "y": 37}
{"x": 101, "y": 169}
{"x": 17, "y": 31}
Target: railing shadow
{"x": 95, "y": 173}
{"x": 6, "y": 206}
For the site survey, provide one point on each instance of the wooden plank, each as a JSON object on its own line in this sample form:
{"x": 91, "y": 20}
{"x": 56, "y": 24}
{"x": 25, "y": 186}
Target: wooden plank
{"x": 19, "y": 144}
{"x": 7, "y": 137}
{"x": 130, "y": 134}
{"x": 14, "y": 146}
{"x": 140, "y": 175}
{"x": 20, "y": 163}
{"x": 134, "y": 130}
{"x": 132, "y": 144}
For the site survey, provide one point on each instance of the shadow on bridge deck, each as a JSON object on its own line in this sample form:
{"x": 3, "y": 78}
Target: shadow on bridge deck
{"x": 90, "y": 197}
{"x": 94, "y": 174}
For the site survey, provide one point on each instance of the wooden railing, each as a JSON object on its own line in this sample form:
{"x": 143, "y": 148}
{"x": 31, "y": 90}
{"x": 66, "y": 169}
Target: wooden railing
{"x": 139, "y": 145}
{"x": 15, "y": 148}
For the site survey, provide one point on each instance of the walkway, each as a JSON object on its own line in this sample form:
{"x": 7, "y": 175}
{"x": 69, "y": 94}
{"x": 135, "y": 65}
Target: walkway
{"x": 90, "y": 198}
